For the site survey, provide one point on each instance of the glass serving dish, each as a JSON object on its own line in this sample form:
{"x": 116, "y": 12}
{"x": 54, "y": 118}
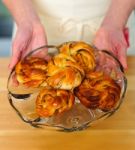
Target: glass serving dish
{"x": 22, "y": 99}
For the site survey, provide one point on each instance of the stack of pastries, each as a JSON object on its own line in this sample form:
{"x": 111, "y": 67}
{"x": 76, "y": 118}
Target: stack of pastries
{"x": 69, "y": 74}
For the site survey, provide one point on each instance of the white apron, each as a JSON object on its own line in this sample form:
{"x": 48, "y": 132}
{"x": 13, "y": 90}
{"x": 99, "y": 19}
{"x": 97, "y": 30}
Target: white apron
{"x": 69, "y": 20}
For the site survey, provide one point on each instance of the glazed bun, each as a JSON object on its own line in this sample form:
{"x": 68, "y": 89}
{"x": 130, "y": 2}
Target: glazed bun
{"x": 98, "y": 91}
{"x": 81, "y": 52}
{"x": 31, "y": 71}
{"x": 63, "y": 72}
{"x": 52, "y": 101}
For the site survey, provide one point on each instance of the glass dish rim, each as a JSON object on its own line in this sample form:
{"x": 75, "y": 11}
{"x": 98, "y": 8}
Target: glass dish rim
{"x": 35, "y": 123}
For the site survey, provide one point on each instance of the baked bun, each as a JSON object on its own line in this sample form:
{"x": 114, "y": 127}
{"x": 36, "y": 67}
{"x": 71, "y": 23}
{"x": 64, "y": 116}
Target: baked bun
{"x": 63, "y": 72}
{"x": 31, "y": 71}
{"x": 81, "y": 52}
{"x": 98, "y": 91}
{"x": 52, "y": 101}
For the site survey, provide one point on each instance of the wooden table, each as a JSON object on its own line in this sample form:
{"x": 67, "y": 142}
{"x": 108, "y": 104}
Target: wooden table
{"x": 114, "y": 133}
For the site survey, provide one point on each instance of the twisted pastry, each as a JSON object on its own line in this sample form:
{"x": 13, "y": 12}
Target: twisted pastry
{"x": 64, "y": 73}
{"x": 81, "y": 52}
{"x": 51, "y": 101}
{"x": 31, "y": 71}
{"x": 98, "y": 91}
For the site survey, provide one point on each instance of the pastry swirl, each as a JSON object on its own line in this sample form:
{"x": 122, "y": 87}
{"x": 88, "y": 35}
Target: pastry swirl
{"x": 63, "y": 72}
{"x": 81, "y": 52}
{"x": 31, "y": 71}
{"x": 98, "y": 91}
{"x": 52, "y": 101}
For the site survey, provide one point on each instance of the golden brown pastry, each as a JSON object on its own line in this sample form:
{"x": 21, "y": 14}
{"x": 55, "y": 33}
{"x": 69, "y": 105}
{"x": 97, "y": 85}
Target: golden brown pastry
{"x": 81, "y": 52}
{"x": 51, "y": 101}
{"x": 64, "y": 73}
{"x": 31, "y": 71}
{"x": 98, "y": 91}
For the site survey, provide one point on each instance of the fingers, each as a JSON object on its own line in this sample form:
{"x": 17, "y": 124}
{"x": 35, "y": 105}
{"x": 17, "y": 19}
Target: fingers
{"x": 121, "y": 48}
{"x": 16, "y": 54}
{"x": 117, "y": 42}
{"x": 38, "y": 40}
{"x": 102, "y": 40}
{"x": 26, "y": 40}
{"x": 122, "y": 56}
{"x": 20, "y": 43}
{"x": 13, "y": 62}
{"x": 17, "y": 48}
{"x": 126, "y": 35}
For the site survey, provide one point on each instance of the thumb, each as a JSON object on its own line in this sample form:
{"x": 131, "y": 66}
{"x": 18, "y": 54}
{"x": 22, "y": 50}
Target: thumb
{"x": 19, "y": 44}
{"x": 14, "y": 59}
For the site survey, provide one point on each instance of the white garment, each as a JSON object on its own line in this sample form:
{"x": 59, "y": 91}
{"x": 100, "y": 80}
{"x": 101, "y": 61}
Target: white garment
{"x": 69, "y": 20}
{"x": 75, "y": 9}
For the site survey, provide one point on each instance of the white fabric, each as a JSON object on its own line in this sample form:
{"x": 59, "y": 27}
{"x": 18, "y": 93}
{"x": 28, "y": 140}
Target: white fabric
{"x": 67, "y": 20}
{"x": 78, "y": 9}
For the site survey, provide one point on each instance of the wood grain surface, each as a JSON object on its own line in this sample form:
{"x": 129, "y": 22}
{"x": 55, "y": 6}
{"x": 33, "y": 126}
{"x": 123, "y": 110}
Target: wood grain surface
{"x": 114, "y": 133}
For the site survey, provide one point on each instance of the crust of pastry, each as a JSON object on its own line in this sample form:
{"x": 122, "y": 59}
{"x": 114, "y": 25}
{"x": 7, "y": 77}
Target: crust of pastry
{"x": 82, "y": 52}
{"x": 98, "y": 91}
{"x": 31, "y": 71}
{"x": 52, "y": 101}
{"x": 63, "y": 72}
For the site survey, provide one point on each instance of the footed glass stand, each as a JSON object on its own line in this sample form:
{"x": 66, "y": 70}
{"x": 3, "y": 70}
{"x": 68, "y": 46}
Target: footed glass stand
{"x": 22, "y": 99}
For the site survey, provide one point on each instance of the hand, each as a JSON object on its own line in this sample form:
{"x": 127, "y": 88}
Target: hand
{"x": 114, "y": 40}
{"x": 28, "y": 37}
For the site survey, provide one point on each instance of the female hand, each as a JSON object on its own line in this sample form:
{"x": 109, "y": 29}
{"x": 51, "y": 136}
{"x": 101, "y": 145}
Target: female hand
{"x": 114, "y": 40}
{"x": 28, "y": 37}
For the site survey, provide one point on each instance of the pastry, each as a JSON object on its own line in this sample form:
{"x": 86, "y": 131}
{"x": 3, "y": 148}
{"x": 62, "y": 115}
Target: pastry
{"x": 98, "y": 91}
{"x": 81, "y": 52}
{"x": 31, "y": 71}
{"x": 53, "y": 101}
{"x": 64, "y": 73}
